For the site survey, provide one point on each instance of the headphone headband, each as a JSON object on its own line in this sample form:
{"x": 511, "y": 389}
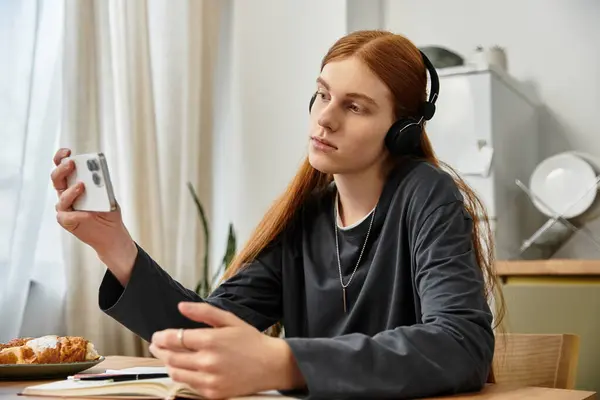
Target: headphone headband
{"x": 428, "y": 108}
{"x": 405, "y": 135}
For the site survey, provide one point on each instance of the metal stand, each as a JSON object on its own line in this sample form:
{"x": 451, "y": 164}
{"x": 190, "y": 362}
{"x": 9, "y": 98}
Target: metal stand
{"x": 557, "y": 228}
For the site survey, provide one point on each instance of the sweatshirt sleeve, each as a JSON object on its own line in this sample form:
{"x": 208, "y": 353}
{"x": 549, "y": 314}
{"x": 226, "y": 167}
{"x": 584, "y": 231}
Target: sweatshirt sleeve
{"x": 149, "y": 301}
{"x": 450, "y": 351}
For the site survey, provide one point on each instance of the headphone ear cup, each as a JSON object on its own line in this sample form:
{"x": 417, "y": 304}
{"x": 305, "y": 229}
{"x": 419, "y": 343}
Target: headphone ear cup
{"x": 427, "y": 110}
{"x": 404, "y": 138}
{"x": 312, "y": 100}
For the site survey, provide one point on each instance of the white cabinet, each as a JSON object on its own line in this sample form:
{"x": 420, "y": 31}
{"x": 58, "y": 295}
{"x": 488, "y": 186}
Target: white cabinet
{"x": 482, "y": 112}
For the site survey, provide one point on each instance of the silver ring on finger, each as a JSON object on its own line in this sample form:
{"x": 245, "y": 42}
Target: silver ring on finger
{"x": 180, "y": 337}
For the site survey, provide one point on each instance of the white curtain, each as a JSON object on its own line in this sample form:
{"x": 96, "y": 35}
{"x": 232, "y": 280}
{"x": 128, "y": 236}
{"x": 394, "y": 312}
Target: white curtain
{"x": 30, "y": 103}
{"x": 138, "y": 81}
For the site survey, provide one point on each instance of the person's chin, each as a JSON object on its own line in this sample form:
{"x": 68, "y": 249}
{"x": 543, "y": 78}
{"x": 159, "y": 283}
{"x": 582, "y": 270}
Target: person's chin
{"x": 322, "y": 163}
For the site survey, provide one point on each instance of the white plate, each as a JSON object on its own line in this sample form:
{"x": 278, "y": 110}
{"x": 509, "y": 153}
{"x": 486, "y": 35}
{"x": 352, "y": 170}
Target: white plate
{"x": 15, "y": 372}
{"x": 565, "y": 183}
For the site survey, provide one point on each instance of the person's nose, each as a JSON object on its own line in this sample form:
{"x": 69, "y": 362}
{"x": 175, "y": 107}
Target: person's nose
{"x": 329, "y": 117}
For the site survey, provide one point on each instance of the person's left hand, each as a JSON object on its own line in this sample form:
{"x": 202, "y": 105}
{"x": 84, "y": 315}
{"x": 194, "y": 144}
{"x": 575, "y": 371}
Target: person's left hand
{"x": 231, "y": 359}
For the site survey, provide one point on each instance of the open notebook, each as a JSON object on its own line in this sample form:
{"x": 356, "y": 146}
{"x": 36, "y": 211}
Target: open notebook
{"x": 160, "y": 388}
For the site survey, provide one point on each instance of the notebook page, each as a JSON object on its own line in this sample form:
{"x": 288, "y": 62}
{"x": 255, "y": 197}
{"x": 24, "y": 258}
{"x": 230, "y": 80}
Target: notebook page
{"x": 70, "y": 384}
{"x": 138, "y": 370}
{"x": 163, "y": 370}
{"x": 150, "y": 388}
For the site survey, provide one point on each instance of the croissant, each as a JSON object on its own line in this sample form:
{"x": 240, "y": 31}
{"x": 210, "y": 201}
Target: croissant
{"x": 49, "y": 349}
{"x": 14, "y": 343}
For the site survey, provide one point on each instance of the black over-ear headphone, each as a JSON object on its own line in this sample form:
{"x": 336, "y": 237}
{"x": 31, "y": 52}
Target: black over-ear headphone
{"x": 404, "y": 136}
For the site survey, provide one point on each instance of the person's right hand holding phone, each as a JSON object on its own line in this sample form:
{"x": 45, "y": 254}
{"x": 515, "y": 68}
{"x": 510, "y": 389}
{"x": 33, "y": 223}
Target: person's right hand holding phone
{"x": 103, "y": 231}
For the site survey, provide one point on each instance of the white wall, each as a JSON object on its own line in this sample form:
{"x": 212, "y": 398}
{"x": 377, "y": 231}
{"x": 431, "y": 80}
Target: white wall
{"x": 552, "y": 44}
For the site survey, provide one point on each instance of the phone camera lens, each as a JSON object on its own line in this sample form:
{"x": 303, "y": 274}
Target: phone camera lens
{"x": 96, "y": 178}
{"x": 93, "y": 165}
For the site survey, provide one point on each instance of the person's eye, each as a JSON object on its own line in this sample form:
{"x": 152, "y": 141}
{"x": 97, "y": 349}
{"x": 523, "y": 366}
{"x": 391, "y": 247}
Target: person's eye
{"x": 355, "y": 108}
{"x": 322, "y": 95}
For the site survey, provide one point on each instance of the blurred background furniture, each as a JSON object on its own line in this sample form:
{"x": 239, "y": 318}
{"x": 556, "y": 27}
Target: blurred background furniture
{"x": 555, "y": 297}
{"x": 486, "y": 129}
{"x": 544, "y": 360}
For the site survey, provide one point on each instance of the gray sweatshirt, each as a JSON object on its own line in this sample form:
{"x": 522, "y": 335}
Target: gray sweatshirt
{"x": 417, "y": 323}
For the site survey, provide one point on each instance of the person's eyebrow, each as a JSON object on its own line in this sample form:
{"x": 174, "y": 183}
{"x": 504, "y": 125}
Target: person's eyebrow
{"x": 350, "y": 95}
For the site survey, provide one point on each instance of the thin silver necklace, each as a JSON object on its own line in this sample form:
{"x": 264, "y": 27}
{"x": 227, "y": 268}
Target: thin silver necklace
{"x": 337, "y": 248}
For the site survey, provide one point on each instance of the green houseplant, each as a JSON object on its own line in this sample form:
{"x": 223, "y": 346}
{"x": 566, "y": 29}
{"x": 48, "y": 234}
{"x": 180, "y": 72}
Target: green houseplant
{"x": 205, "y": 285}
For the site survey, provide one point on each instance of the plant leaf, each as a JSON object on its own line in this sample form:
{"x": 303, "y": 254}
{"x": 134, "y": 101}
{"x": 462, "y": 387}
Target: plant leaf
{"x": 203, "y": 286}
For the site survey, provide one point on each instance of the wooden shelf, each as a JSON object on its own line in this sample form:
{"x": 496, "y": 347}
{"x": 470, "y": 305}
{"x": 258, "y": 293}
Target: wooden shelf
{"x": 553, "y": 267}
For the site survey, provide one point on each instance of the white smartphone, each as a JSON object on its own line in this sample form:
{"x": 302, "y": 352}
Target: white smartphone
{"x": 92, "y": 170}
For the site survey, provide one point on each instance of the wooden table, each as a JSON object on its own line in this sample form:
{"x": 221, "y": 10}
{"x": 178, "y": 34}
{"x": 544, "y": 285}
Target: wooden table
{"x": 551, "y": 267}
{"x": 10, "y": 390}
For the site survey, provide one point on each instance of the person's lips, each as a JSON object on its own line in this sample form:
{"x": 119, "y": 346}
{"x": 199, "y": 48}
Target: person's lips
{"x": 323, "y": 144}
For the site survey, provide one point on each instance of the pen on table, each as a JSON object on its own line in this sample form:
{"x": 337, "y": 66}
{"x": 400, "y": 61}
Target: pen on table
{"x": 119, "y": 377}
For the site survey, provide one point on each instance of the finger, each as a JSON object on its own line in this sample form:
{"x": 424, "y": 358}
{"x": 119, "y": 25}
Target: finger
{"x": 68, "y": 197}
{"x": 159, "y": 352}
{"x": 70, "y": 220}
{"x": 60, "y": 173}
{"x": 207, "y": 385}
{"x": 209, "y": 314}
{"x": 184, "y": 360}
{"x": 60, "y": 154}
{"x": 193, "y": 339}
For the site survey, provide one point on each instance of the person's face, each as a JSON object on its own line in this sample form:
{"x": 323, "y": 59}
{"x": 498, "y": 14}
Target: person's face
{"x": 349, "y": 119}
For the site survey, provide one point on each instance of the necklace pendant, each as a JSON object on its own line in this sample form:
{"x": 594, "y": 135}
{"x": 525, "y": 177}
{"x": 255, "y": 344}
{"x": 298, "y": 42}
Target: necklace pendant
{"x": 345, "y": 302}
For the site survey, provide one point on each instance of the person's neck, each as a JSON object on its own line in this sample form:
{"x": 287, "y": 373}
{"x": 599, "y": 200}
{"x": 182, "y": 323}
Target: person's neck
{"x": 358, "y": 194}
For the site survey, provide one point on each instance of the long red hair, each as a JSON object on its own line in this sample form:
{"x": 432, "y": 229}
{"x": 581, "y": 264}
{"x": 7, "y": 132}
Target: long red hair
{"x": 398, "y": 63}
